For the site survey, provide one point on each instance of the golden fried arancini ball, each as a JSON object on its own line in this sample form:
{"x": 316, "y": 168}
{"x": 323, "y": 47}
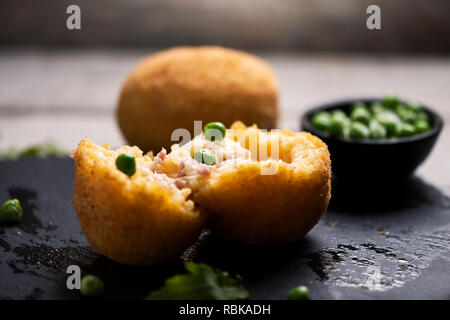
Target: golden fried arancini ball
{"x": 138, "y": 220}
{"x": 256, "y": 192}
{"x": 170, "y": 89}
{"x": 256, "y": 187}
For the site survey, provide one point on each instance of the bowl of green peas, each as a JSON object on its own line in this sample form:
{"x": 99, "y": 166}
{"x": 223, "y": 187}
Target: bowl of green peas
{"x": 384, "y": 139}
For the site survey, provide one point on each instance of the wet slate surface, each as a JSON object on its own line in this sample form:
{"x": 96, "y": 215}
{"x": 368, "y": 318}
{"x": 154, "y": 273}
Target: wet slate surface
{"x": 371, "y": 244}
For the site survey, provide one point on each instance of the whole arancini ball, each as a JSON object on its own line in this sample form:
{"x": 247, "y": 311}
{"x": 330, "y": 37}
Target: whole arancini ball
{"x": 172, "y": 88}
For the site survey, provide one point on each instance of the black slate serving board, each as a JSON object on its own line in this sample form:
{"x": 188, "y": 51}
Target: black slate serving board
{"x": 374, "y": 242}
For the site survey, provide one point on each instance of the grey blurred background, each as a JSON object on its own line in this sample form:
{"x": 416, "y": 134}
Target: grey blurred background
{"x": 409, "y": 26}
{"x": 62, "y": 84}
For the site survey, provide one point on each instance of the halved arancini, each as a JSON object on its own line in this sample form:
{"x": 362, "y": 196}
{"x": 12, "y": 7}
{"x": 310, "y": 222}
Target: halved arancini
{"x": 262, "y": 188}
{"x": 139, "y": 220}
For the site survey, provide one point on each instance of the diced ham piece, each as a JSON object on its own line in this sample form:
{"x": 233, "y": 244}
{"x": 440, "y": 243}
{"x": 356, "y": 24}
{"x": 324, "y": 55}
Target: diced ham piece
{"x": 204, "y": 170}
{"x": 192, "y": 167}
{"x": 181, "y": 167}
{"x": 180, "y": 183}
{"x": 161, "y": 155}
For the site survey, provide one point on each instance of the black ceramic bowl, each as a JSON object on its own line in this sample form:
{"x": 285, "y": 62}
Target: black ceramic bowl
{"x": 384, "y": 160}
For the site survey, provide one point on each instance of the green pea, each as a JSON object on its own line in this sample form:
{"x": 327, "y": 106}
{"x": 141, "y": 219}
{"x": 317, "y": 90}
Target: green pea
{"x": 126, "y": 163}
{"x": 346, "y": 131}
{"x": 11, "y": 211}
{"x": 357, "y": 105}
{"x": 415, "y": 107}
{"x": 299, "y": 293}
{"x": 338, "y": 114}
{"x": 339, "y": 127}
{"x": 214, "y": 131}
{"x": 91, "y": 286}
{"x": 390, "y": 102}
{"x": 390, "y": 121}
{"x": 405, "y": 114}
{"x": 376, "y": 108}
{"x": 421, "y": 125}
{"x": 422, "y": 115}
{"x": 419, "y": 112}
{"x": 406, "y": 130}
{"x": 339, "y": 123}
{"x": 205, "y": 156}
{"x": 377, "y": 131}
{"x": 359, "y": 131}
{"x": 321, "y": 120}
{"x": 361, "y": 114}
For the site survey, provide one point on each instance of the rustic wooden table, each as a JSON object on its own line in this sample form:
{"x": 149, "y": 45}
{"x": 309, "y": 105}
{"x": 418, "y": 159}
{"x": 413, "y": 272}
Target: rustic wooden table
{"x": 65, "y": 95}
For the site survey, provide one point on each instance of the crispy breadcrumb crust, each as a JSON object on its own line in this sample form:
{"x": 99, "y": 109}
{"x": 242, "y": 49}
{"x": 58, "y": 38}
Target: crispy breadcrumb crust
{"x": 130, "y": 220}
{"x": 170, "y": 89}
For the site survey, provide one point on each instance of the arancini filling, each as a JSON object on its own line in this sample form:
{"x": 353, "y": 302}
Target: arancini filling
{"x": 179, "y": 168}
{"x": 182, "y": 174}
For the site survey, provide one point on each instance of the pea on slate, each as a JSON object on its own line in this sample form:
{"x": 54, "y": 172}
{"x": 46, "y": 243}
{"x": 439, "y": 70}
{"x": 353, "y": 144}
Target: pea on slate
{"x": 214, "y": 131}
{"x": 11, "y": 211}
{"x": 205, "y": 156}
{"x": 126, "y": 163}
{"x": 91, "y": 286}
{"x": 299, "y": 293}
